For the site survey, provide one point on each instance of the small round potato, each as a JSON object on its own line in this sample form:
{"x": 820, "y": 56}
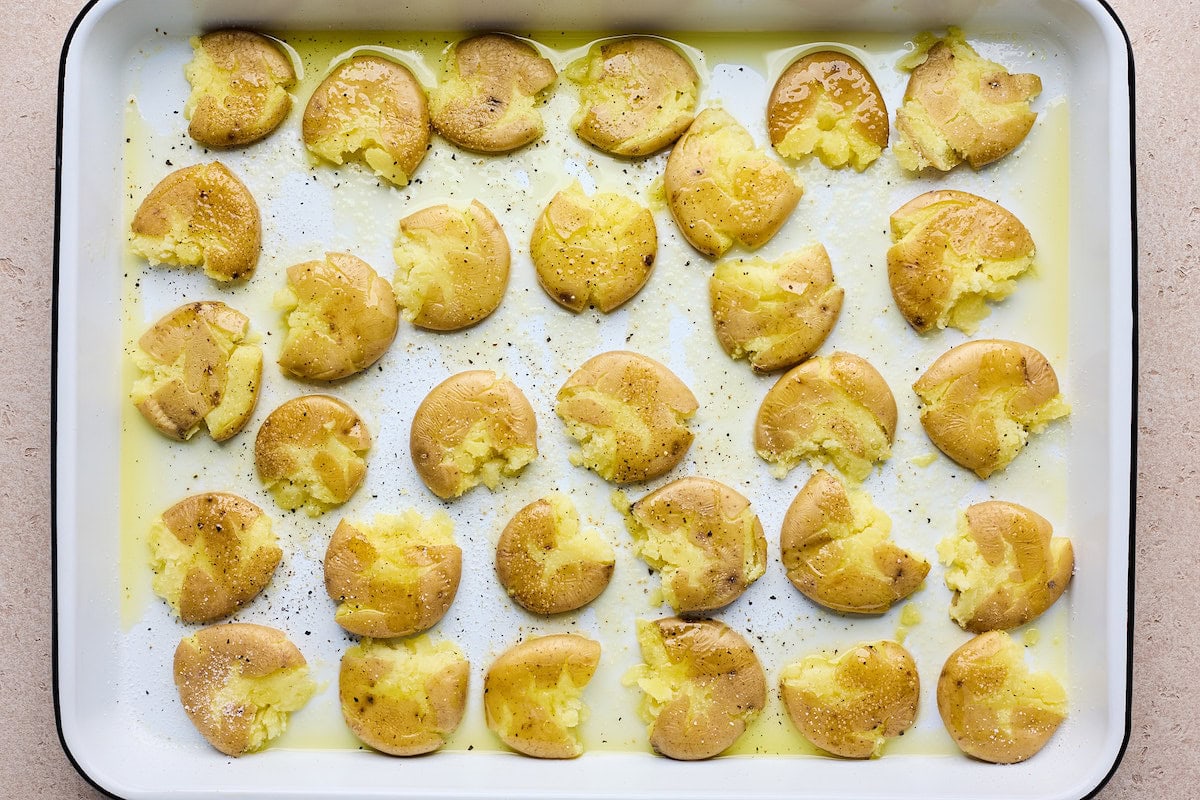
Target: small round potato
{"x": 701, "y": 686}
{"x": 982, "y": 400}
{"x": 239, "y": 683}
{"x": 593, "y": 251}
{"x": 395, "y": 576}
{"x": 239, "y": 83}
{"x": 1004, "y": 566}
{"x": 371, "y": 109}
{"x": 311, "y": 453}
{"x": 403, "y": 697}
{"x": 827, "y": 103}
{"x": 722, "y": 189}
{"x": 836, "y": 548}
{"x": 960, "y": 107}
{"x": 533, "y": 694}
{"x": 200, "y": 216}
{"x": 452, "y": 266}
{"x": 629, "y": 413}
{"x": 488, "y": 93}
{"x": 212, "y": 554}
{"x": 472, "y": 428}
{"x": 636, "y": 95}
{"x": 775, "y": 313}
{"x": 851, "y": 704}
{"x": 547, "y": 562}
{"x": 703, "y": 537}
{"x": 341, "y": 317}
{"x": 953, "y": 253}
{"x": 835, "y": 409}
{"x": 199, "y": 367}
{"x": 992, "y": 705}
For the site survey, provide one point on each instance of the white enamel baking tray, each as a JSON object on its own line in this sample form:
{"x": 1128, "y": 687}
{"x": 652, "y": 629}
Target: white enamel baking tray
{"x": 117, "y": 717}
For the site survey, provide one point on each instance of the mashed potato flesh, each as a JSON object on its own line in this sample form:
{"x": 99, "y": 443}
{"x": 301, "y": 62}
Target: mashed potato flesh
{"x": 268, "y": 701}
{"x": 832, "y": 135}
{"x": 479, "y": 459}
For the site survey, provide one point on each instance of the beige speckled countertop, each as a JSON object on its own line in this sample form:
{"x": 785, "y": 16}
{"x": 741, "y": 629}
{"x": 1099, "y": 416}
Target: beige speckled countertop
{"x": 1161, "y": 760}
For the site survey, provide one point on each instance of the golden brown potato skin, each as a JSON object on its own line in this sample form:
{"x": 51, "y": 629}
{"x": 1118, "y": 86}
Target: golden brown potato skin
{"x": 396, "y": 722}
{"x": 534, "y": 535}
{"x": 842, "y": 397}
{"x": 239, "y": 88}
{"x": 485, "y": 100}
{"x": 721, "y": 189}
{"x": 467, "y": 256}
{"x": 960, "y": 412}
{"x": 373, "y": 602}
{"x": 231, "y": 576}
{"x": 726, "y": 689}
{"x": 349, "y": 313}
{"x": 517, "y": 682}
{"x": 458, "y": 408}
{"x": 717, "y": 525}
{"x": 314, "y": 433}
{"x": 202, "y": 338}
{"x": 637, "y": 95}
{"x": 993, "y": 707}
{"x": 205, "y": 662}
{"x": 959, "y": 106}
{"x": 833, "y": 98}
{"x": 596, "y": 250}
{"x": 827, "y": 566}
{"x": 205, "y": 210}
{"x": 1032, "y": 567}
{"x": 374, "y": 109}
{"x": 875, "y": 695}
{"x": 641, "y": 403}
{"x": 936, "y": 229}
{"x": 781, "y": 321}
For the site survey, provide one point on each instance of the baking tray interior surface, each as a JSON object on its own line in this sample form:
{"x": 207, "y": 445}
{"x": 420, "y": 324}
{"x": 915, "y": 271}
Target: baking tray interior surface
{"x": 122, "y": 129}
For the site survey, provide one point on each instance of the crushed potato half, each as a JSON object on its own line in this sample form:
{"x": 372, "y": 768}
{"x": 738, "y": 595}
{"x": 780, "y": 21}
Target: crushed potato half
{"x": 959, "y": 106}
{"x": 239, "y": 83}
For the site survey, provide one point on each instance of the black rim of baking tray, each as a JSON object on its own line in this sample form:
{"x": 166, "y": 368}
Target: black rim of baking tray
{"x": 54, "y": 640}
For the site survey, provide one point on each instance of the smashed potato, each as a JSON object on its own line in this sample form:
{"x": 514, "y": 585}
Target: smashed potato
{"x": 960, "y": 107}
{"x": 1004, "y": 566}
{"x": 703, "y": 537}
{"x": 200, "y": 216}
{"x": 722, "y": 189}
{"x": 636, "y": 95}
{"x": 982, "y": 400}
{"x": 472, "y": 428}
{"x": 212, "y": 554}
{"x": 311, "y": 453}
{"x": 850, "y": 704}
{"x": 992, "y": 705}
{"x": 836, "y": 409}
{"x": 239, "y": 683}
{"x": 239, "y": 83}
{"x": 199, "y": 367}
{"x": 451, "y": 266}
{"x": 403, "y": 697}
{"x": 394, "y": 576}
{"x": 373, "y": 110}
{"x": 702, "y": 686}
{"x": 593, "y": 251}
{"x": 826, "y": 103}
{"x": 954, "y": 252}
{"x": 487, "y": 98}
{"x": 341, "y": 317}
{"x": 547, "y": 562}
{"x": 775, "y": 313}
{"x": 533, "y": 694}
{"x": 629, "y": 414}
{"x": 836, "y": 548}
